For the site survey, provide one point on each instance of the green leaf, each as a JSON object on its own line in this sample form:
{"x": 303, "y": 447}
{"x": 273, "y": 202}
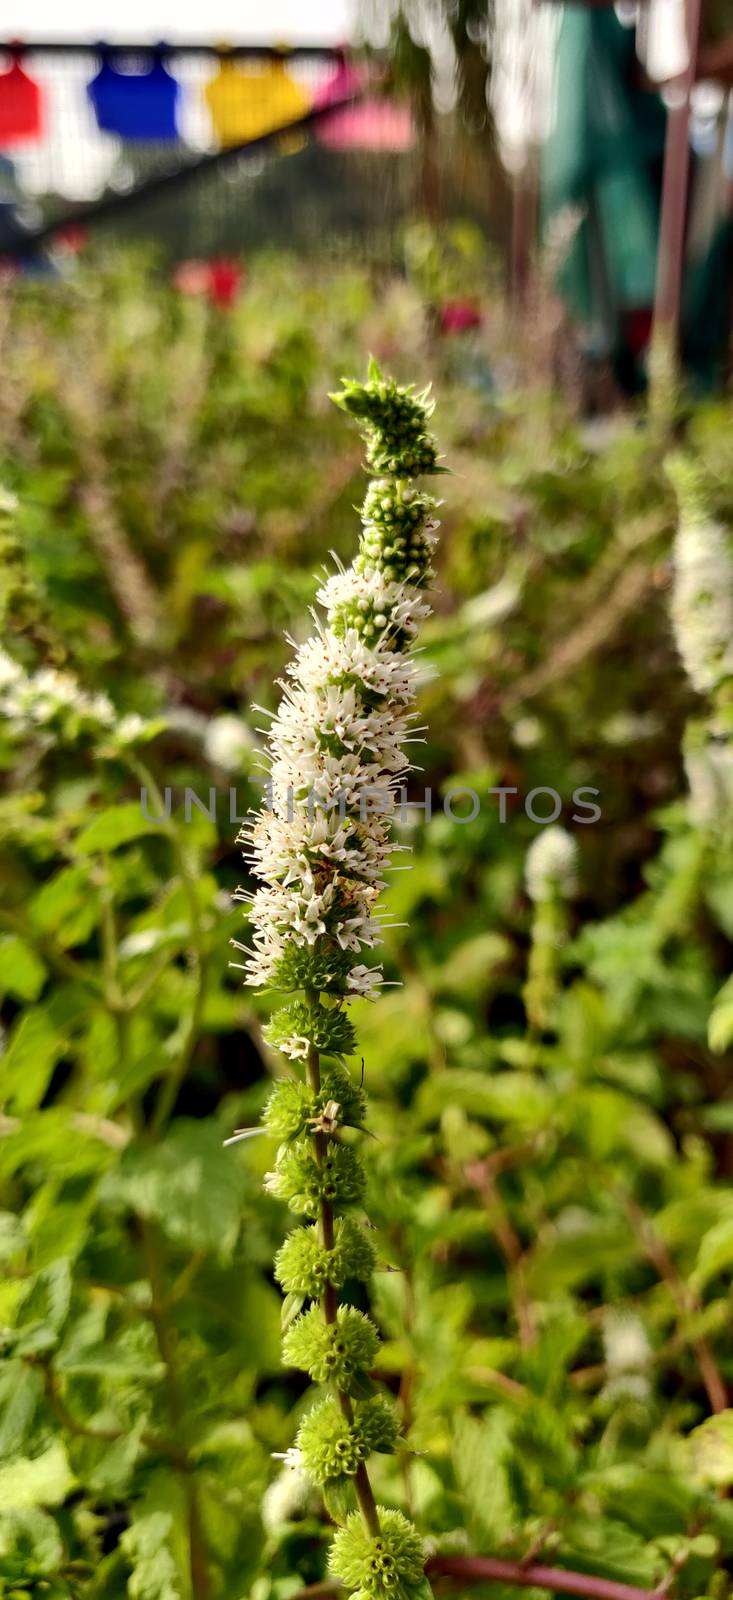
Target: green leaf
{"x": 13, "y": 1240}
{"x": 715, "y": 1253}
{"x": 112, "y": 1470}
{"x": 583, "y": 1248}
{"x": 30, "y": 1545}
{"x": 720, "y": 1026}
{"x": 115, "y": 1360}
{"x": 481, "y": 1455}
{"x": 292, "y": 1304}
{"x": 116, "y": 826}
{"x": 21, "y": 1388}
{"x": 22, "y": 973}
{"x": 500, "y": 1096}
{"x": 43, "y": 1480}
{"x": 187, "y": 1183}
{"x": 155, "y": 1572}
{"x": 711, "y": 1450}
{"x": 467, "y": 968}
{"x": 35, "y": 1047}
{"x": 65, "y": 907}
{"x": 43, "y": 1309}
{"x": 338, "y": 1498}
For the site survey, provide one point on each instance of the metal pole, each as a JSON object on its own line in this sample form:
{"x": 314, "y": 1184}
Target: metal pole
{"x": 673, "y": 212}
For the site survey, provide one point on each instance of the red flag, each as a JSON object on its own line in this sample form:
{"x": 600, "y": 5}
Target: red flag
{"x": 21, "y": 107}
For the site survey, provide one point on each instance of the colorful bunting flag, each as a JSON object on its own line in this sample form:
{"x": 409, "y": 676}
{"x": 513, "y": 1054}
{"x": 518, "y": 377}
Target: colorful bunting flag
{"x": 345, "y": 81}
{"x": 21, "y": 107}
{"x": 245, "y": 104}
{"x": 370, "y": 125}
{"x": 136, "y": 105}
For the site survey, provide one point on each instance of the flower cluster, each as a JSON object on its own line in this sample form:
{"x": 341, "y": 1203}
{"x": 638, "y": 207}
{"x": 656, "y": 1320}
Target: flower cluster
{"x": 551, "y": 866}
{"x": 304, "y": 1267}
{"x": 340, "y": 1352}
{"x": 52, "y": 703}
{"x": 320, "y": 851}
{"x": 702, "y": 599}
{"x": 340, "y": 735}
{"x": 305, "y": 1182}
{"x": 550, "y": 875}
{"x": 294, "y": 1108}
{"x": 702, "y": 618}
{"x": 332, "y": 1446}
{"x": 388, "y": 1563}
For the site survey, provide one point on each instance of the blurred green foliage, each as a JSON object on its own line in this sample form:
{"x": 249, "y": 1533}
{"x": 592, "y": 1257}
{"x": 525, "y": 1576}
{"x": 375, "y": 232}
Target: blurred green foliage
{"x": 554, "y": 1202}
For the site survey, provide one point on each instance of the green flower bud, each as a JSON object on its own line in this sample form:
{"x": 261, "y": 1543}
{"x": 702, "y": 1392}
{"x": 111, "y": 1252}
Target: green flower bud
{"x": 332, "y": 1447}
{"x": 401, "y": 449}
{"x": 393, "y": 422}
{"x": 394, "y": 505}
{"x": 288, "y": 1109}
{"x": 306, "y": 1183}
{"x": 304, "y": 1266}
{"x": 390, "y": 1563}
{"x": 294, "y": 1109}
{"x": 368, "y": 621}
{"x": 297, "y": 1026}
{"x": 397, "y": 540}
{"x": 339, "y": 1352}
{"x": 321, "y": 966}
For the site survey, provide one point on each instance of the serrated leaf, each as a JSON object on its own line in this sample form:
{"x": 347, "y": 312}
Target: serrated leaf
{"x": 43, "y": 1309}
{"x": 21, "y": 1388}
{"x": 187, "y": 1184}
{"x": 155, "y": 1572}
{"x": 115, "y": 1360}
{"x": 482, "y": 1449}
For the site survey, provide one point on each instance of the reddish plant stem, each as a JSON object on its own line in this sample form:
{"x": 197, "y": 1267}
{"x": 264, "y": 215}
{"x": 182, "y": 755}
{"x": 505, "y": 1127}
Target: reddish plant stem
{"x": 685, "y": 1300}
{"x": 483, "y": 1569}
{"x": 478, "y": 1569}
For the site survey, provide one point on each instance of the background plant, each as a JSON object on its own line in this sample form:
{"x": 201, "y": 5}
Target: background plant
{"x": 555, "y": 1201}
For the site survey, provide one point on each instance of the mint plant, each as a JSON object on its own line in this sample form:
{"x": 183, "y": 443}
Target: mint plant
{"x": 337, "y": 749}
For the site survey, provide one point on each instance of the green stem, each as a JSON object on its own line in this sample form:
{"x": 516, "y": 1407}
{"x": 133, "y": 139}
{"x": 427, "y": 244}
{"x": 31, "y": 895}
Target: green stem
{"x": 170, "y": 1088}
{"x": 164, "y": 1338}
{"x": 362, "y": 1484}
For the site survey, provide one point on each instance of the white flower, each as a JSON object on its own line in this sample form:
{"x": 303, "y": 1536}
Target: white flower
{"x": 702, "y": 603}
{"x": 709, "y": 772}
{"x": 55, "y": 702}
{"x": 290, "y": 1495}
{"x": 702, "y": 598}
{"x": 551, "y": 865}
{"x": 227, "y": 741}
{"x": 628, "y": 1357}
{"x": 337, "y": 753}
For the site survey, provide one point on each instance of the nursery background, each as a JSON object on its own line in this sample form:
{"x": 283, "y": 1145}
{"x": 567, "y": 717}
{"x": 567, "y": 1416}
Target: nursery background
{"x": 531, "y": 210}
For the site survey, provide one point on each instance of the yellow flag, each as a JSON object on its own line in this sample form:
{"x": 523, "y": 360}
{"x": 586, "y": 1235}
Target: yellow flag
{"x": 245, "y": 103}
